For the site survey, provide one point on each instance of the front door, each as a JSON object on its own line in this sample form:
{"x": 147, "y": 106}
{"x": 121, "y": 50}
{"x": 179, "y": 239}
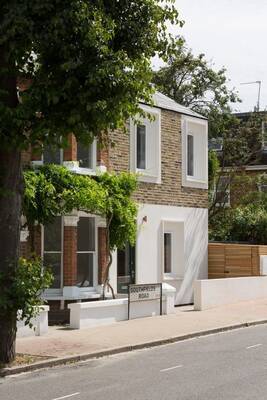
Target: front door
{"x": 125, "y": 268}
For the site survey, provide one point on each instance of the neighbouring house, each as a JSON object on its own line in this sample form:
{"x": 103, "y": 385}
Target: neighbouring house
{"x": 170, "y": 154}
{"x": 232, "y": 184}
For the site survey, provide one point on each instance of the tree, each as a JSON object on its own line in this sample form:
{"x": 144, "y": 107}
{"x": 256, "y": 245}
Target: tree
{"x": 241, "y": 146}
{"x": 79, "y": 66}
{"x": 193, "y": 82}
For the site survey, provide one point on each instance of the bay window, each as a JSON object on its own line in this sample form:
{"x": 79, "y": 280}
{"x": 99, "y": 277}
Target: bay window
{"x": 52, "y": 250}
{"x": 86, "y": 247}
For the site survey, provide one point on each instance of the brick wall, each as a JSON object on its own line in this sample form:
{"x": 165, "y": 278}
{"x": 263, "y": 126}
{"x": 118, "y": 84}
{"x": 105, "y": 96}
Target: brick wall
{"x": 170, "y": 191}
{"x": 70, "y": 152}
{"x": 70, "y": 255}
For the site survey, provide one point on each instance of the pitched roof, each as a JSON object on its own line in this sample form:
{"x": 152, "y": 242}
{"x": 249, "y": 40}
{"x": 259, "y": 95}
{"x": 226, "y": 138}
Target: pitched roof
{"x": 165, "y": 102}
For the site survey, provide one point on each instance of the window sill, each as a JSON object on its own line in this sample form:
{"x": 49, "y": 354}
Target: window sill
{"x": 195, "y": 183}
{"x": 143, "y": 177}
{"x": 172, "y": 277}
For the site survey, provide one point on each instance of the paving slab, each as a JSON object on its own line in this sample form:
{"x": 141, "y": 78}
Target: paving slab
{"x": 64, "y": 342}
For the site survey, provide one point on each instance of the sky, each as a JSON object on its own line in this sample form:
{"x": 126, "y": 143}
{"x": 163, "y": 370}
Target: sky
{"x": 233, "y": 34}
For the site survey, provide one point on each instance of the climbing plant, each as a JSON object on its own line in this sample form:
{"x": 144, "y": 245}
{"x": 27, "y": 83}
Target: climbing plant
{"x": 53, "y": 190}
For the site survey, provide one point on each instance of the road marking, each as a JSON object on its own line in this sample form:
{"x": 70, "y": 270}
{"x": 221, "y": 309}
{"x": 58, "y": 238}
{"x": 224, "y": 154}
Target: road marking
{"x": 169, "y": 369}
{"x": 67, "y": 396}
{"x": 254, "y": 345}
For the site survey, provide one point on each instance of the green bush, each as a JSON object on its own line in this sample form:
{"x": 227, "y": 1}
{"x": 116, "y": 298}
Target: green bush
{"x": 242, "y": 224}
{"x": 22, "y": 290}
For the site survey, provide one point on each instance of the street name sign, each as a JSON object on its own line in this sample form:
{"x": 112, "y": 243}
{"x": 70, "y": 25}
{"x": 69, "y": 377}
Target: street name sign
{"x": 144, "y": 292}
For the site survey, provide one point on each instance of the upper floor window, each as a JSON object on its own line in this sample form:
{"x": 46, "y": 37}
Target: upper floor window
{"x": 52, "y": 155}
{"x": 85, "y": 155}
{"x": 145, "y": 146}
{"x": 141, "y": 147}
{"x": 194, "y": 153}
{"x": 190, "y": 155}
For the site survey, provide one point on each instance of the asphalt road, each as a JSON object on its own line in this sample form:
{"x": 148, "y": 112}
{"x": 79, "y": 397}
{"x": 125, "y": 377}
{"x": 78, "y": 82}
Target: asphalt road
{"x": 225, "y": 366}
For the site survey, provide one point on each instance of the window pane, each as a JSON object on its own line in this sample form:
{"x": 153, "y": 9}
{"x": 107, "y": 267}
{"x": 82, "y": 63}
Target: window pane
{"x": 167, "y": 253}
{"x": 141, "y": 147}
{"x": 53, "y": 260}
{"x": 85, "y": 269}
{"x": 51, "y": 155}
{"x": 86, "y": 234}
{"x": 52, "y": 236}
{"x": 85, "y": 155}
{"x": 190, "y": 155}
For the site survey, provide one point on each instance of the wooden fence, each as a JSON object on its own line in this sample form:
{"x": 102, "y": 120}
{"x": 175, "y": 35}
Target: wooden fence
{"x": 234, "y": 260}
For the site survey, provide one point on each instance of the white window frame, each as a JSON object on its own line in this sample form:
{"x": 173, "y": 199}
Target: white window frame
{"x": 95, "y": 254}
{"x": 152, "y": 173}
{"x": 172, "y": 261}
{"x": 55, "y": 290}
{"x": 200, "y": 155}
{"x": 176, "y": 228}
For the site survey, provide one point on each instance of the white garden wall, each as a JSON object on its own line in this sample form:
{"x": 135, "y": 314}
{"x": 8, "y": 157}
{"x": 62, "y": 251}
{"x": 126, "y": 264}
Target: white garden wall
{"x": 40, "y": 324}
{"x": 210, "y": 293}
{"x": 96, "y": 313}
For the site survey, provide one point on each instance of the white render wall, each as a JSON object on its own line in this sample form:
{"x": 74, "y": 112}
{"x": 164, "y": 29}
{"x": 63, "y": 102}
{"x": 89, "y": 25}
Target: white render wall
{"x": 39, "y": 322}
{"x": 105, "y": 312}
{"x": 209, "y": 293}
{"x": 191, "y": 253}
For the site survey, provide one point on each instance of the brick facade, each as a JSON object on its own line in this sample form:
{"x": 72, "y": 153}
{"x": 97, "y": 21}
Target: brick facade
{"x": 70, "y": 152}
{"x": 170, "y": 191}
{"x": 70, "y": 256}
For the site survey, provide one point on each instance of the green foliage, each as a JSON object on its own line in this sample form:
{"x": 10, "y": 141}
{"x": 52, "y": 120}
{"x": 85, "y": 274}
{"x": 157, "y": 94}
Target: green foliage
{"x": 86, "y": 65}
{"x": 193, "y": 82}
{"x": 213, "y": 165}
{"x": 22, "y": 290}
{"x": 242, "y": 143}
{"x": 120, "y": 208}
{"x": 53, "y": 190}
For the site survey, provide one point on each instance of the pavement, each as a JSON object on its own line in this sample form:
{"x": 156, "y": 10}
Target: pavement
{"x": 230, "y": 365}
{"x": 185, "y": 322}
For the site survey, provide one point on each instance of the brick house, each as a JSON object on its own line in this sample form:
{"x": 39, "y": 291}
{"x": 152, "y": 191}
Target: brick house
{"x": 170, "y": 155}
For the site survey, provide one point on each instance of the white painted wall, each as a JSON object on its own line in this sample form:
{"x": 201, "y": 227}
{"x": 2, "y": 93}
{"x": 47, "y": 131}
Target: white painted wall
{"x": 211, "y": 293}
{"x": 192, "y": 263}
{"x": 97, "y": 313}
{"x": 40, "y": 324}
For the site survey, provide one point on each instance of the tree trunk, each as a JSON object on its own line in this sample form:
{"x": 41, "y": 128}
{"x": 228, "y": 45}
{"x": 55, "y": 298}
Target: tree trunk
{"x": 7, "y": 338}
{"x": 10, "y": 211}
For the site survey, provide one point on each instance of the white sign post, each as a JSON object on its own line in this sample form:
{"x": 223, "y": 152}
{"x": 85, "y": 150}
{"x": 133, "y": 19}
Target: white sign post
{"x": 144, "y": 292}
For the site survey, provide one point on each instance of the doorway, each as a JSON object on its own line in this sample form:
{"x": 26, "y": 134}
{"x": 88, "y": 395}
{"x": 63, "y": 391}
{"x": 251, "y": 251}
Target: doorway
{"x": 125, "y": 268}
